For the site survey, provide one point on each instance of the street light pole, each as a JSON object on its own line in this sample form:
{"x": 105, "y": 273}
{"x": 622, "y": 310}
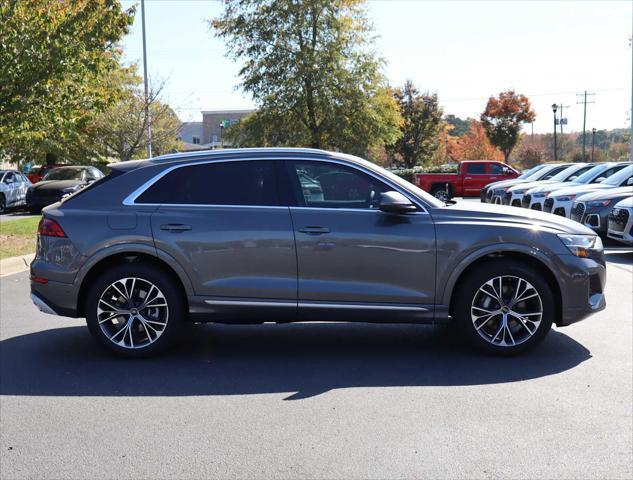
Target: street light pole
{"x": 593, "y": 142}
{"x": 148, "y": 119}
{"x": 554, "y": 108}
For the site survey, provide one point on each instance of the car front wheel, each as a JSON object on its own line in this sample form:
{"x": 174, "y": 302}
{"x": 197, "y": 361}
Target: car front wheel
{"x": 134, "y": 310}
{"x": 504, "y": 307}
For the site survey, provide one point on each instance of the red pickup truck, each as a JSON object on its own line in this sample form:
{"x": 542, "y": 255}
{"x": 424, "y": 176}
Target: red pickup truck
{"x": 471, "y": 177}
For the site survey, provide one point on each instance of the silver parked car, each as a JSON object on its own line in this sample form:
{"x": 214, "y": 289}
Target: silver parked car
{"x": 621, "y": 222}
{"x": 13, "y": 187}
{"x": 285, "y": 235}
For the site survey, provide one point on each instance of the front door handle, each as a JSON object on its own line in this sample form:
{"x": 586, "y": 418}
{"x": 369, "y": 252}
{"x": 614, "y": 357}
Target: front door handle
{"x": 314, "y": 230}
{"x": 175, "y": 227}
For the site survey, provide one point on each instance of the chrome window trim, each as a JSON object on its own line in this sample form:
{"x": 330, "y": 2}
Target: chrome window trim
{"x": 130, "y": 200}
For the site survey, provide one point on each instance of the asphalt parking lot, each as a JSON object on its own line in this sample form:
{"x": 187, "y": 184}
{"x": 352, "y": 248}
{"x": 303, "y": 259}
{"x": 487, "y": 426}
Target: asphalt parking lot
{"x": 316, "y": 400}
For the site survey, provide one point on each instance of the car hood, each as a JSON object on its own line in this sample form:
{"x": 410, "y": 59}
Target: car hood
{"x": 606, "y": 194}
{"x": 626, "y": 203}
{"x": 505, "y": 183}
{"x": 547, "y": 187}
{"x": 521, "y": 217}
{"x": 530, "y": 185}
{"x": 49, "y": 185}
{"x": 579, "y": 189}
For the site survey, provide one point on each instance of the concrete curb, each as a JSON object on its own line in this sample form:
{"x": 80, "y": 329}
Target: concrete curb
{"x": 9, "y": 266}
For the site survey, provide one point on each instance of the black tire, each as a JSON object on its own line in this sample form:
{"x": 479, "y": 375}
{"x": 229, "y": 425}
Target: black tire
{"x": 3, "y": 203}
{"x": 439, "y": 192}
{"x": 469, "y": 287}
{"x": 176, "y": 308}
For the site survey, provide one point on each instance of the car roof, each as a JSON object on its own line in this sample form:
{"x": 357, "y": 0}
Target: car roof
{"x": 254, "y": 153}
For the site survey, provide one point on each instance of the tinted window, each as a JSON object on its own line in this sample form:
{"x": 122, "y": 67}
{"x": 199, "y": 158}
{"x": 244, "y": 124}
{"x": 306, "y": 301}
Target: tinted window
{"x": 476, "y": 168}
{"x": 9, "y": 178}
{"x": 328, "y": 185}
{"x": 65, "y": 174}
{"x": 219, "y": 183}
{"x": 496, "y": 169}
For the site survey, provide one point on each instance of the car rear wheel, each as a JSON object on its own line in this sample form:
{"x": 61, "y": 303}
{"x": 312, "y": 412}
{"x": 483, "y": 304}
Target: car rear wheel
{"x": 504, "y": 307}
{"x": 134, "y": 310}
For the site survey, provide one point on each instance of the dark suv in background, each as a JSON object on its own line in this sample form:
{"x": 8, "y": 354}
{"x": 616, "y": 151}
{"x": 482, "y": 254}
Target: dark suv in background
{"x": 283, "y": 235}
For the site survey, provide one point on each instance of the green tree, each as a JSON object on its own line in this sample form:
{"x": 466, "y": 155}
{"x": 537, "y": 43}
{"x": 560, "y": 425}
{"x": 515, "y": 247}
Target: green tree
{"x": 420, "y": 129}
{"x": 460, "y": 126}
{"x": 119, "y": 132}
{"x": 309, "y": 67}
{"x": 54, "y": 55}
{"x": 503, "y": 118}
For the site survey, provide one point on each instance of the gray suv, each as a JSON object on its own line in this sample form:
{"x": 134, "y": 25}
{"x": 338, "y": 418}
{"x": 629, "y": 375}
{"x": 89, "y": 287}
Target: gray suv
{"x": 285, "y": 235}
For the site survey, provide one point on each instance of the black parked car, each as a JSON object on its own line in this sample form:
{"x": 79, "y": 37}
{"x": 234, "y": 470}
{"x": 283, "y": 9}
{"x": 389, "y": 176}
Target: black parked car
{"x": 58, "y": 183}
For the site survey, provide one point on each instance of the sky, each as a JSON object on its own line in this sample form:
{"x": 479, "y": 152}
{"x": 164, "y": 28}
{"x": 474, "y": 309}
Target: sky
{"x": 464, "y": 51}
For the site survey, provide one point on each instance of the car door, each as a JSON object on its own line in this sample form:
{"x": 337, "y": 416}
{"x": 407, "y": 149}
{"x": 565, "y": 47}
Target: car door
{"x": 223, "y": 223}
{"x": 352, "y": 257}
{"x": 476, "y": 177}
{"x": 12, "y": 188}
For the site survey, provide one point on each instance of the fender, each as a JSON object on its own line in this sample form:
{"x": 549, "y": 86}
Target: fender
{"x": 134, "y": 248}
{"x": 461, "y": 263}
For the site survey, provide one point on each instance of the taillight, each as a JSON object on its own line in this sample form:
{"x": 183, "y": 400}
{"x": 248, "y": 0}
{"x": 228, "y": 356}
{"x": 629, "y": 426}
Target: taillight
{"x": 50, "y": 228}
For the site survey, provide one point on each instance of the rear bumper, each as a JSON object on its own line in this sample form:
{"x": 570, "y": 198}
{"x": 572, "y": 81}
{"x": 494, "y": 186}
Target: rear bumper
{"x": 55, "y": 298}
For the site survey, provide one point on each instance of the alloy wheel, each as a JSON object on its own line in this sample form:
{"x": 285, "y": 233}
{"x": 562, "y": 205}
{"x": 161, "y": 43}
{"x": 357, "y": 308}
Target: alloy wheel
{"x": 506, "y": 311}
{"x": 132, "y": 312}
{"x": 441, "y": 195}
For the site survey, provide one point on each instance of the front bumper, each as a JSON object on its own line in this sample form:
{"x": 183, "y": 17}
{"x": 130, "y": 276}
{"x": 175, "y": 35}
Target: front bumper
{"x": 582, "y": 282}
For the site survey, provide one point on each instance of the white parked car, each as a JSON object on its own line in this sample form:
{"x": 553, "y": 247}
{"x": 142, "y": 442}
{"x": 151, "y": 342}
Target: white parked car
{"x": 621, "y": 222}
{"x": 514, "y": 195}
{"x": 535, "y": 198}
{"x": 560, "y": 201}
{"x": 13, "y": 187}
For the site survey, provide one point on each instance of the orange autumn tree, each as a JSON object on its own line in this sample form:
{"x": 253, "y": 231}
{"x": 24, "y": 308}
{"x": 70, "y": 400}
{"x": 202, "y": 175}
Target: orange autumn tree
{"x": 503, "y": 118}
{"x": 474, "y": 145}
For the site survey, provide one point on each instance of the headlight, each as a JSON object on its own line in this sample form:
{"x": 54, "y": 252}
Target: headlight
{"x": 599, "y": 203}
{"x": 566, "y": 198}
{"x": 519, "y": 192}
{"x": 581, "y": 245}
{"x": 539, "y": 194}
{"x": 71, "y": 189}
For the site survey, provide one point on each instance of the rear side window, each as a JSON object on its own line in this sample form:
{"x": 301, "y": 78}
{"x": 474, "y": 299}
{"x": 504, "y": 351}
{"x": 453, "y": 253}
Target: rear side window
{"x": 476, "y": 168}
{"x": 218, "y": 183}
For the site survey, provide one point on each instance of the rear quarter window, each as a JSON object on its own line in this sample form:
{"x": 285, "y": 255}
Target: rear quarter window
{"x": 216, "y": 183}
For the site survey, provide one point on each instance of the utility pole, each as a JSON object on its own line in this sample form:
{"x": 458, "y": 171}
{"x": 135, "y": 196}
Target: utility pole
{"x": 593, "y": 142}
{"x": 554, "y": 108}
{"x": 584, "y": 103}
{"x": 562, "y": 121}
{"x": 148, "y": 119}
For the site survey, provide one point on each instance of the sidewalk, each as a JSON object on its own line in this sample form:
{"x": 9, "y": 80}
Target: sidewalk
{"x": 9, "y": 266}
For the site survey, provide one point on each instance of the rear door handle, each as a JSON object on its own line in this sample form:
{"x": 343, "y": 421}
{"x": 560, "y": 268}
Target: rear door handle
{"x": 314, "y": 230}
{"x": 175, "y": 227}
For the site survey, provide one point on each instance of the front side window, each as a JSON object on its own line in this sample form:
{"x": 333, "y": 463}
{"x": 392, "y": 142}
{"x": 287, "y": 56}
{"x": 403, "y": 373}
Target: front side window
{"x": 330, "y": 185}
{"x": 476, "y": 168}
{"x": 217, "y": 183}
{"x": 65, "y": 174}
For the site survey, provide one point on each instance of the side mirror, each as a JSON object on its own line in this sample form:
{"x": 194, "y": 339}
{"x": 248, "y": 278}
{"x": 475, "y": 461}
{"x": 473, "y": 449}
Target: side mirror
{"x": 629, "y": 181}
{"x": 600, "y": 180}
{"x": 572, "y": 178}
{"x": 507, "y": 171}
{"x": 395, "y": 202}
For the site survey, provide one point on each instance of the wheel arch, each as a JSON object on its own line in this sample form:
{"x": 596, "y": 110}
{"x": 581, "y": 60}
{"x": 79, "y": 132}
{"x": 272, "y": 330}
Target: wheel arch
{"x": 130, "y": 254}
{"x": 533, "y": 259}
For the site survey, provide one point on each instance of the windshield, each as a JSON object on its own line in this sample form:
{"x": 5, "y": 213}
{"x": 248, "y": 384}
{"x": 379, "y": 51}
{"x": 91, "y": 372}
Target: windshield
{"x": 617, "y": 178}
{"x": 589, "y": 175}
{"x": 569, "y": 172}
{"x": 531, "y": 172}
{"x": 65, "y": 174}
